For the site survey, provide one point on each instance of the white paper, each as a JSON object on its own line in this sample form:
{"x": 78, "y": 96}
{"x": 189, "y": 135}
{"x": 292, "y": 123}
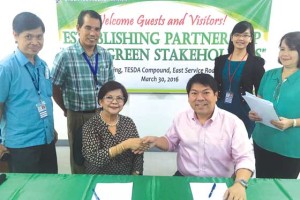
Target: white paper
{"x": 113, "y": 191}
{"x": 201, "y": 191}
{"x": 263, "y": 108}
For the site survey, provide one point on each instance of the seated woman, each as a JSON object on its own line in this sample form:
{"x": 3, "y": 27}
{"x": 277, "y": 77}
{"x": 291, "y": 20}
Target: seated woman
{"x": 109, "y": 139}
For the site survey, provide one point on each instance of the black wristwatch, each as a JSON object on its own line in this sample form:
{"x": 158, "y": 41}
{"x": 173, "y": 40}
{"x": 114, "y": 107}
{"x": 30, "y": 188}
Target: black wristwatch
{"x": 243, "y": 182}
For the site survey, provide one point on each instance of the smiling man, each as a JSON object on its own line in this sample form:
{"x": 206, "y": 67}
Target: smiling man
{"x": 210, "y": 142}
{"x": 79, "y": 71}
{"x": 26, "y": 110}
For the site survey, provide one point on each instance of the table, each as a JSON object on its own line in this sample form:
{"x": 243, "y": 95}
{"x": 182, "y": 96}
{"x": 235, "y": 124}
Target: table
{"x": 79, "y": 187}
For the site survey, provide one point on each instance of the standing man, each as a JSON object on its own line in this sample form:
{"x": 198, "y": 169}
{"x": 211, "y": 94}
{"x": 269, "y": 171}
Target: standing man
{"x": 26, "y": 109}
{"x": 210, "y": 142}
{"x": 78, "y": 73}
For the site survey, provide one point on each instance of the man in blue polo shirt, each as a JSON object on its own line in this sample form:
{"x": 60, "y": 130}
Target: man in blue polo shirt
{"x": 26, "y": 110}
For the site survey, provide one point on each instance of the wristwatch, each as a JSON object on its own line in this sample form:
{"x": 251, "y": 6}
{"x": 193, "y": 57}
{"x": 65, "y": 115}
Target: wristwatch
{"x": 243, "y": 182}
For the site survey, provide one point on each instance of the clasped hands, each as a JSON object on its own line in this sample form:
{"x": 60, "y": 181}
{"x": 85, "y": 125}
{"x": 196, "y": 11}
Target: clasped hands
{"x": 140, "y": 145}
{"x": 282, "y": 123}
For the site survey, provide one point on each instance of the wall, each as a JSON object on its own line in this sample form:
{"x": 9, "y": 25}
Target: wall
{"x": 152, "y": 113}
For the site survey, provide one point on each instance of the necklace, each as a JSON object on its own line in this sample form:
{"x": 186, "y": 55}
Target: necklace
{"x": 108, "y": 124}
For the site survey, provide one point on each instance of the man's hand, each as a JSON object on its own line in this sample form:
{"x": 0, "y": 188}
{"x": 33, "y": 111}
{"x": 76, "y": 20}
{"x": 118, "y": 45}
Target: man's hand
{"x": 3, "y": 150}
{"x": 235, "y": 192}
{"x": 136, "y": 145}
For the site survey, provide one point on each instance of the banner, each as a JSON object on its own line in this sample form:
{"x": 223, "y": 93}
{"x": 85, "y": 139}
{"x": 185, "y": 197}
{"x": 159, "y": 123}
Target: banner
{"x": 158, "y": 45}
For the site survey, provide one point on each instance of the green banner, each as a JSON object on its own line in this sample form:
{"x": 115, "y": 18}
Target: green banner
{"x": 158, "y": 45}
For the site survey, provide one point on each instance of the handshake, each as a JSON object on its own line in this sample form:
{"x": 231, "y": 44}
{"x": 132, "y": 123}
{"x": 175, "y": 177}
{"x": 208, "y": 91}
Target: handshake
{"x": 139, "y": 145}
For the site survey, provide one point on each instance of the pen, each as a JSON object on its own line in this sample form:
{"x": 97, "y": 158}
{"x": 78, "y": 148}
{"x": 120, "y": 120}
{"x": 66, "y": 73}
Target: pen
{"x": 95, "y": 194}
{"x": 212, "y": 189}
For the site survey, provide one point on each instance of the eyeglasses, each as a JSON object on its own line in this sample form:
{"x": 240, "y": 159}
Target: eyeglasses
{"x": 30, "y": 37}
{"x": 204, "y": 93}
{"x": 238, "y": 35}
{"x": 110, "y": 99}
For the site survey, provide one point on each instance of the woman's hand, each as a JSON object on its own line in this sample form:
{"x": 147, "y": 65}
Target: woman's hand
{"x": 283, "y": 123}
{"x": 254, "y": 116}
{"x": 135, "y": 144}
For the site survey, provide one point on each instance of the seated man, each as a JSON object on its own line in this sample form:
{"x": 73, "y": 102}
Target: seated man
{"x": 210, "y": 142}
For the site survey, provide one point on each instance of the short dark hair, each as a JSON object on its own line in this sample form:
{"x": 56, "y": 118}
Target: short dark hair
{"x": 91, "y": 13}
{"x": 204, "y": 79}
{"x": 241, "y": 27}
{"x": 27, "y": 21}
{"x": 292, "y": 40}
{"x": 110, "y": 86}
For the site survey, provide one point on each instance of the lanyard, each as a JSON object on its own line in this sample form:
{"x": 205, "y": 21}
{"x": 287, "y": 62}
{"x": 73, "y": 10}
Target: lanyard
{"x": 35, "y": 82}
{"x": 93, "y": 69}
{"x": 231, "y": 77}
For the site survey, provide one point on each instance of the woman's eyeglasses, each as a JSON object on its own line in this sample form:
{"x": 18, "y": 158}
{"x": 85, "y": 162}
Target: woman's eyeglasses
{"x": 118, "y": 99}
{"x": 238, "y": 35}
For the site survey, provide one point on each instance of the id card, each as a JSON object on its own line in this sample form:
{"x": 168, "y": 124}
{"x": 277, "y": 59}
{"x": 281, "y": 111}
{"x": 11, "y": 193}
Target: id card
{"x": 97, "y": 87}
{"x": 228, "y": 97}
{"x": 42, "y": 109}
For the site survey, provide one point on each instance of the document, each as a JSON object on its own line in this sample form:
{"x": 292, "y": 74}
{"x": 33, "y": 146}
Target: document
{"x": 263, "y": 108}
{"x": 113, "y": 191}
{"x": 203, "y": 191}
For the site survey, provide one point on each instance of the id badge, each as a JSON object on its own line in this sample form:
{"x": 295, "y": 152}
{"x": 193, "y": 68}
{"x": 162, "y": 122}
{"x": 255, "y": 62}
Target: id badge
{"x": 42, "y": 109}
{"x": 228, "y": 97}
{"x": 97, "y": 87}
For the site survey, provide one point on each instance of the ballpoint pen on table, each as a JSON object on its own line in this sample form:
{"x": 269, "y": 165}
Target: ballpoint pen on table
{"x": 212, "y": 189}
{"x": 95, "y": 194}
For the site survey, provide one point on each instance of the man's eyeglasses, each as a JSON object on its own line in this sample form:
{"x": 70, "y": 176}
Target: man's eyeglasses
{"x": 238, "y": 35}
{"x": 110, "y": 99}
{"x": 204, "y": 93}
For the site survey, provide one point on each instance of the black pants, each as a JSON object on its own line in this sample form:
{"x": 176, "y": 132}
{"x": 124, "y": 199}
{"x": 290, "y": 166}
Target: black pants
{"x": 273, "y": 165}
{"x": 35, "y": 159}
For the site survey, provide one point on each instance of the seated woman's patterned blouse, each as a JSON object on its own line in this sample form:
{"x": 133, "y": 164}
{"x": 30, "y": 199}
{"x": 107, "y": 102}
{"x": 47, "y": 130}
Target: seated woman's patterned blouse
{"x": 96, "y": 141}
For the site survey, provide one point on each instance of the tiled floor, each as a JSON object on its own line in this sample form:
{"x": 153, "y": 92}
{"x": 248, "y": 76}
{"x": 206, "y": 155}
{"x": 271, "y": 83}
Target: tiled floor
{"x": 155, "y": 163}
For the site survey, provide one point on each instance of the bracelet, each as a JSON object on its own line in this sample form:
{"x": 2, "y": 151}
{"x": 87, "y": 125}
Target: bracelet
{"x": 294, "y": 122}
